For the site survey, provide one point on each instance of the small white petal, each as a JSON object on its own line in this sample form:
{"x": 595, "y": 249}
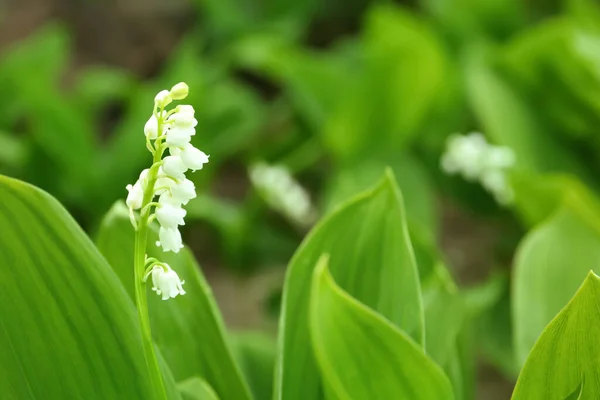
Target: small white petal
{"x": 170, "y": 215}
{"x": 179, "y": 136}
{"x": 163, "y": 98}
{"x": 166, "y": 283}
{"x": 135, "y": 196}
{"x": 183, "y": 119}
{"x": 183, "y": 191}
{"x": 193, "y": 158}
{"x": 170, "y": 239}
{"x": 151, "y": 128}
{"x": 174, "y": 166}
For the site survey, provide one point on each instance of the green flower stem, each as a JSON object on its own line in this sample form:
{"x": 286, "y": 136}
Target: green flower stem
{"x": 141, "y": 295}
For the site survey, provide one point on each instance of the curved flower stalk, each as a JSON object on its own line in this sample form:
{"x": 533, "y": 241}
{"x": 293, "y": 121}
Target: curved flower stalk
{"x": 283, "y": 193}
{"x": 160, "y": 194}
{"x": 479, "y": 161}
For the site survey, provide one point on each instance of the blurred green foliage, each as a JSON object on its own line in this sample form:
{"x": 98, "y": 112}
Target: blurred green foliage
{"x": 337, "y": 92}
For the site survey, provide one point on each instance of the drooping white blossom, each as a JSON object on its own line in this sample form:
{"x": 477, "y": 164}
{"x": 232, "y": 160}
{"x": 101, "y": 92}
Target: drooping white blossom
{"x": 173, "y": 166}
{"x": 169, "y": 239}
{"x": 472, "y": 157}
{"x": 135, "y": 196}
{"x": 179, "y": 136}
{"x": 169, "y": 214}
{"x": 193, "y": 158}
{"x": 165, "y": 281}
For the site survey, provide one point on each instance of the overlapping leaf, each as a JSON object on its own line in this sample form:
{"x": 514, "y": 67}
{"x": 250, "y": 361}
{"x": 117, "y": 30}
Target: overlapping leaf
{"x": 371, "y": 258}
{"x": 67, "y": 327}
{"x": 362, "y": 355}
{"x": 564, "y": 361}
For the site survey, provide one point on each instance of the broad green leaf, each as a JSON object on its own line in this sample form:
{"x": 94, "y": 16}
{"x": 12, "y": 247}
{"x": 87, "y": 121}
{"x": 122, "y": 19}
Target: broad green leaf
{"x": 550, "y": 264}
{"x": 195, "y": 388}
{"x": 362, "y": 355}
{"x": 411, "y": 176}
{"x": 255, "y": 353}
{"x": 188, "y": 330}
{"x": 371, "y": 258}
{"x": 563, "y": 364}
{"x": 67, "y": 327}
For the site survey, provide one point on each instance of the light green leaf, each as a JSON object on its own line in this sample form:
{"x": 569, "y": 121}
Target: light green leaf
{"x": 371, "y": 258}
{"x": 67, "y": 327}
{"x": 361, "y": 354}
{"x": 195, "y": 388}
{"x": 188, "y": 330}
{"x": 564, "y": 361}
{"x": 550, "y": 264}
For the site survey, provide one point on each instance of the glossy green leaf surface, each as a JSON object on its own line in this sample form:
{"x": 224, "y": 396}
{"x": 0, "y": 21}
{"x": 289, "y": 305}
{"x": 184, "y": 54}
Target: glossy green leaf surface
{"x": 362, "y": 355}
{"x": 67, "y": 327}
{"x": 551, "y": 263}
{"x": 188, "y": 329}
{"x": 371, "y": 257}
{"x": 564, "y": 361}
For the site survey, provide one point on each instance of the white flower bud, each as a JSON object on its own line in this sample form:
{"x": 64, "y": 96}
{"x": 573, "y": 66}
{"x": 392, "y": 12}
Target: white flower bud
{"x": 170, "y": 239}
{"x": 163, "y": 98}
{"x": 179, "y": 136}
{"x": 174, "y": 166}
{"x": 169, "y": 215}
{"x": 151, "y": 128}
{"x": 193, "y": 158}
{"x": 135, "y": 196}
{"x": 166, "y": 282}
{"x": 180, "y": 91}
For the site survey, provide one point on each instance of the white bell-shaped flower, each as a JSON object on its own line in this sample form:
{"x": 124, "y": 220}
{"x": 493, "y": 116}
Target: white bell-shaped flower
{"x": 166, "y": 282}
{"x": 168, "y": 214}
{"x": 183, "y": 119}
{"x": 169, "y": 239}
{"x": 151, "y": 128}
{"x": 183, "y": 191}
{"x": 135, "y": 196}
{"x": 192, "y": 157}
{"x": 174, "y": 166}
{"x": 179, "y": 136}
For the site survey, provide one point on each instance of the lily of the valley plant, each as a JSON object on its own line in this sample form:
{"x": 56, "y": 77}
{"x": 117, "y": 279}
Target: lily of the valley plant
{"x": 160, "y": 194}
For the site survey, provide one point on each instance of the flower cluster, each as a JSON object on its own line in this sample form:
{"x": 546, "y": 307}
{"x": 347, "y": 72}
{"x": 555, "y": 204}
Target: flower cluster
{"x": 477, "y": 160}
{"x": 172, "y": 131}
{"x": 279, "y": 189}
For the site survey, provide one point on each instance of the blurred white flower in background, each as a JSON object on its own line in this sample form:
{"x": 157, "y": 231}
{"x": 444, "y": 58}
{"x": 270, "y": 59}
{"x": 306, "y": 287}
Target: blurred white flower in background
{"x": 283, "y": 193}
{"x": 476, "y": 160}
